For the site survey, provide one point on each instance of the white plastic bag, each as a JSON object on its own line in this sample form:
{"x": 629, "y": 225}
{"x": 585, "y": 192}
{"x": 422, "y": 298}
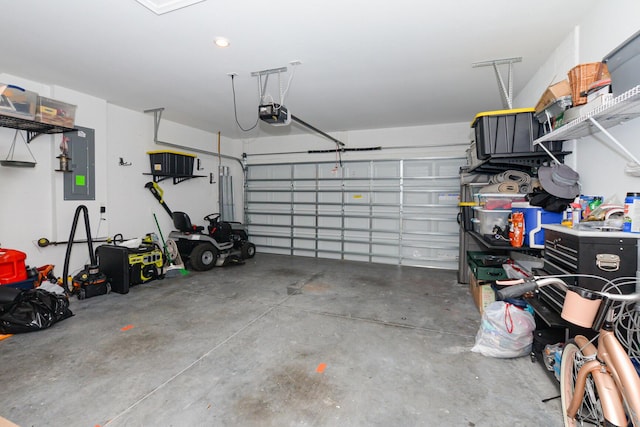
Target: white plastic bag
{"x": 506, "y": 331}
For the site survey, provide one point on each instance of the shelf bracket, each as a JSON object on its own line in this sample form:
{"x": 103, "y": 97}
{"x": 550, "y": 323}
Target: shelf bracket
{"x": 614, "y": 140}
{"x": 550, "y": 154}
{"x": 31, "y": 135}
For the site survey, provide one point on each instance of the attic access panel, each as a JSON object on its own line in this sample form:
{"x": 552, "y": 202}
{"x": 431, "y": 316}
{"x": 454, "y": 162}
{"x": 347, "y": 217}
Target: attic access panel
{"x": 164, "y": 6}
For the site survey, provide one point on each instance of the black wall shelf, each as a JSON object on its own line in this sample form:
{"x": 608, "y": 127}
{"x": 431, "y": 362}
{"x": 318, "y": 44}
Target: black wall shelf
{"x": 177, "y": 179}
{"x": 32, "y": 127}
{"x": 505, "y": 247}
{"x": 525, "y": 162}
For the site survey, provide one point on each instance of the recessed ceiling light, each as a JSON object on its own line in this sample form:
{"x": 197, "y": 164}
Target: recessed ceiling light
{"x": 163, "y": 6}
{"x": 221, "y": 42}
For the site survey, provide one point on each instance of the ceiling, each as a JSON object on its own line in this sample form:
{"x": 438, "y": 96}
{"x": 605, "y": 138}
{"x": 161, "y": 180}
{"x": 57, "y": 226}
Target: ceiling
{"x": 365, "y": 64}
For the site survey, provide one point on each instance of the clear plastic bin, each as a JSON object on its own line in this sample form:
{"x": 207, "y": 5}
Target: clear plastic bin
{"x": 485, "y": 220}
{"x": 492, "y": 201}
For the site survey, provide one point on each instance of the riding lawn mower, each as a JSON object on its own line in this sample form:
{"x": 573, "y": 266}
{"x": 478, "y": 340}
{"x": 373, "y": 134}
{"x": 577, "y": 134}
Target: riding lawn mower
{"x": 222, "y": 243}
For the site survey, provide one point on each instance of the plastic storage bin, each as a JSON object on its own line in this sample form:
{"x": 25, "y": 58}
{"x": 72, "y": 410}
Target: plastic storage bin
{"x": 486, "y": 266}
{"x": 492, "y": 201}
{"x": 54, "y": 112}
{"x": 173, "y": 163}
{"x": 534, "y": 217}
{"x": 17, "y": 102}
{"x": 624, "y": 65}
{"x": 486, "y": 219}
{"x": 507, "y": 132}
{"x": 12, "y": 266}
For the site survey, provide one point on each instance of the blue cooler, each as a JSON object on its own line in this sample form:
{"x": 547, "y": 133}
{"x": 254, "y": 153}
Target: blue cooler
{"x": 534, "y": 217}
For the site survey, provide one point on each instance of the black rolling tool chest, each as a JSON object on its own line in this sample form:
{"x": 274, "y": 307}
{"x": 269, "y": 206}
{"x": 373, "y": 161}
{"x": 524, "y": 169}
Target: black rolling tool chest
{"x": 607, "y": 254}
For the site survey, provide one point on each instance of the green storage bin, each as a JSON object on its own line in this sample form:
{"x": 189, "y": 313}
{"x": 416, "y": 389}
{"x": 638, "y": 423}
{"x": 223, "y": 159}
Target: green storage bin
{"x": 487, "y": 266}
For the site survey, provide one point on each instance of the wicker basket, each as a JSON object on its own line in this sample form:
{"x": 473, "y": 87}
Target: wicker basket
{"x": 581, "y": 76}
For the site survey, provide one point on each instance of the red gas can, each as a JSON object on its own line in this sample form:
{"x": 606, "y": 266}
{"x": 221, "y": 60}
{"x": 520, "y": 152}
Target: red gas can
{"x": 12, "y": 266}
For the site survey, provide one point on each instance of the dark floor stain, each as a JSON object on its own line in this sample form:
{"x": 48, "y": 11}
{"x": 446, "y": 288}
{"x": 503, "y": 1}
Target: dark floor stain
{"x": 296, "y": 288}
{"x": 292, "y": 390}
{"x": 132, "y": 344}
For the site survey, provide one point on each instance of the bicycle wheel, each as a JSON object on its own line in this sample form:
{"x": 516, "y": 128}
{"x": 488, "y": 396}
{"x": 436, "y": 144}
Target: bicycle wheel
{"x": 590, "y": 411}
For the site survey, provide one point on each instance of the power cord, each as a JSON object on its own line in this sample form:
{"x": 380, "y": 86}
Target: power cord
{"x": 283, "y": 94}
{"x": 235, "y": 110}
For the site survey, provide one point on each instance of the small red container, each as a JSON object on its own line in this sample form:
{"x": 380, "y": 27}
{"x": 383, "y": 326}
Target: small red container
{"x": 12, "y": 266}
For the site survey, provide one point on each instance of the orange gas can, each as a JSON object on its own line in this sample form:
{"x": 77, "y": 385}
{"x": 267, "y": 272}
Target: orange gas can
{"x": 12, "y": 266}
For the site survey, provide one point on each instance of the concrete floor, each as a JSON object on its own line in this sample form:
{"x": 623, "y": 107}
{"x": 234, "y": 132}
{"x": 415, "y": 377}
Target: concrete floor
{"x": 245, "y": 346}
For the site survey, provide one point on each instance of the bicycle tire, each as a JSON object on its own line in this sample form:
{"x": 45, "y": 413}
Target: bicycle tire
{"x": 590, "y": 411}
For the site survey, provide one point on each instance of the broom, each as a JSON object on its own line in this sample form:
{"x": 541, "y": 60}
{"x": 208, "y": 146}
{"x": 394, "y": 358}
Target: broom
{"x": 172, "y": 269}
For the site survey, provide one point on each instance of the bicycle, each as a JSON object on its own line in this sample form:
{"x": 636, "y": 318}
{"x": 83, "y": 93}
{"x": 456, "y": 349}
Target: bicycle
{"x": 599, "y": 385}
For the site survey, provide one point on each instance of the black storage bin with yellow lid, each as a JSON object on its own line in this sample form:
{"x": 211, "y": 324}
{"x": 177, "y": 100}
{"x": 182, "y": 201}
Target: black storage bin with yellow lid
{"x": 504, "y": 132}
{"x": 171, "y": 163}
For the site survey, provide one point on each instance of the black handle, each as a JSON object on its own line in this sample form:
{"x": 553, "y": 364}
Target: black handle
{"x": 516, "y": 290}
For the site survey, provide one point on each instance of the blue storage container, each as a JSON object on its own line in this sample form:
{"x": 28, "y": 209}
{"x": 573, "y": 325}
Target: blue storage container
{"x": 534, "y": 217}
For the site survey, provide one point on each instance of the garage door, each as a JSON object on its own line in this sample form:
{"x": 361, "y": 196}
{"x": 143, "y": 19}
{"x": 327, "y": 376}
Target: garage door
{"x": 384, "y": 211}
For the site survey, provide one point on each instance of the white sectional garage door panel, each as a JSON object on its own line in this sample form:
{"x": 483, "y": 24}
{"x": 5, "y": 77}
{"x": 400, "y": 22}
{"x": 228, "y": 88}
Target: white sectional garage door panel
{"x": 384, "y": 211}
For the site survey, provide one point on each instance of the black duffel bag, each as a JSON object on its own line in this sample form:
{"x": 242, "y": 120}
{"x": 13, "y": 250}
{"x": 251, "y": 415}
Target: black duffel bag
{"x": 33, "y": 310}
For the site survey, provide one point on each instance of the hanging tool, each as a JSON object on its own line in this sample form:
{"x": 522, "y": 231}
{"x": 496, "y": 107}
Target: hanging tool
{"x": 158, "y": 193}
{"x": 43, "y": 242}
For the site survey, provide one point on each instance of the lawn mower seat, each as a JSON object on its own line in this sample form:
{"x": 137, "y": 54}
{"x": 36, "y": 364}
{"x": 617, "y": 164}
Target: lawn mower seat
{"x": 182, "y": 222}
{"x": 221, "y": 232}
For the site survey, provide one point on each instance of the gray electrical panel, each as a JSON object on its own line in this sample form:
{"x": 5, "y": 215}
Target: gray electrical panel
{"x": 79, "y": 184}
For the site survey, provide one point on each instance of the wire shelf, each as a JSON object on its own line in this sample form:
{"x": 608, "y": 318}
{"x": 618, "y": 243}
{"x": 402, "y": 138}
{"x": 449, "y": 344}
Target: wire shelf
{"x": 622, "y": 108}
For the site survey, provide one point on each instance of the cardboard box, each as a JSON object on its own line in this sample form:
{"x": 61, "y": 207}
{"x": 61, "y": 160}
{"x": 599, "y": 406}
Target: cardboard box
{"x": 54, "y": 112}
{"x": 553, "y": 93}
{"x": 481, "y": 291}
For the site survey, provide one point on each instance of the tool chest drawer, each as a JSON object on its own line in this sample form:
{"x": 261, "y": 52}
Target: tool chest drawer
{"x": 601, "y": 255}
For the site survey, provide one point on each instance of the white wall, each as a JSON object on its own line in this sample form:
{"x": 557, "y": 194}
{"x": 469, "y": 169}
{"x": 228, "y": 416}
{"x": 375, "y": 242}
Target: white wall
{"x": 32, "y": 198}
{"x": 409, "y": 142}
{"x": 600, "y": 164}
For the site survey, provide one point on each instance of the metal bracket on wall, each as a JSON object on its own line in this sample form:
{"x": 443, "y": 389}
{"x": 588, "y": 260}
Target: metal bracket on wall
{"x": 157, "y": 116}
{"x": 507, "y": 92}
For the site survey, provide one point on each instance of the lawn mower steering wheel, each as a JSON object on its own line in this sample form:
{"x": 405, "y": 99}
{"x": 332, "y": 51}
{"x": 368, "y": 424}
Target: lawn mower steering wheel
{"x": 213, "y": 218}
